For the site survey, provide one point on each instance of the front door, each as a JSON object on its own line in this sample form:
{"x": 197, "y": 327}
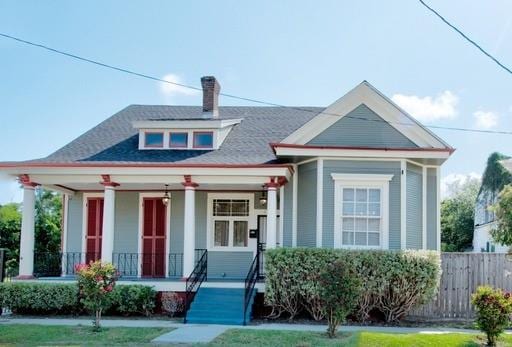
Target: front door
{"x": 153, "y": 238}
{"x": 94, "y": 229}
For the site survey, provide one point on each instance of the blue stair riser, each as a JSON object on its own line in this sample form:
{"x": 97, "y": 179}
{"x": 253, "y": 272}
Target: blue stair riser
{"x": 220, "y": 306}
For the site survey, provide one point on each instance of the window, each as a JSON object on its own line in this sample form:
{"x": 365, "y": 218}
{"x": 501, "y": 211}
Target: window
{"x": 154, "y": 139}
{"x": 203, "y": 139}
{"x": 178, "y": 140}
{"x": 361, "y": 217}
{"x": 361, "y": 210}
{"x": 230, "y": 222}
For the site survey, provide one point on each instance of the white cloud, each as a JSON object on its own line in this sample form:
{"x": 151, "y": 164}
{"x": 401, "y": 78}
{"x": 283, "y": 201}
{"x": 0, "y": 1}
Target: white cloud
{"x": 451, "y": 182}
{"x": 485, "y": 120}
{"x": 170, "y": 89}
{"x": 427, "y": 109}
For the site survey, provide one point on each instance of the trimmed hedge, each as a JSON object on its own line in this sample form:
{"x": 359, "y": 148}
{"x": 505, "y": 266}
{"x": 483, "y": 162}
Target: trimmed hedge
{"x": 57, "y": 298}
{"x": 394, "y": 282}
{"x": 39, "y": 298}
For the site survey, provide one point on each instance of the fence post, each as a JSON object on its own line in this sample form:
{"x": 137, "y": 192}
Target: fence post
{"x": 2, "y": 264}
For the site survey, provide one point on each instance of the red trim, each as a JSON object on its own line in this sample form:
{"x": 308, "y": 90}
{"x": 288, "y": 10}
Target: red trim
{"x": 26, "y": 182}
{"x": 282, "y": 181}
{"x": 407, "y": 149}
{"x": 272, "y": 183}
{"x": 188, "y": 182}
{"x": 178, "y": 132}
{"x": 153, "y": 146}
{"x": 202, "y": 132}
{"x": 107, "y": 182}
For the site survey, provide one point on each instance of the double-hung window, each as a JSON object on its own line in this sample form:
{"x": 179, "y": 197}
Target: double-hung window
{"x": 230, "y": 222}
{"x": 361, "y": 210}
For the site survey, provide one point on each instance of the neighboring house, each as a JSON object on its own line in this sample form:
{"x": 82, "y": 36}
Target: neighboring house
{"x": 155, "y": 188}
{"x": 484, "y": 217}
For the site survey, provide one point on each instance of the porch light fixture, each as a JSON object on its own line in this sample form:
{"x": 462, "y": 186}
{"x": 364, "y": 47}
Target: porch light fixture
{"x": 166, "y": 198}
{"x": 263, "y": 198}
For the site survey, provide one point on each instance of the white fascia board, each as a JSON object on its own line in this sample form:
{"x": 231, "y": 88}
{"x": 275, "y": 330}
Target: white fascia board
{"x": 366, "y": 94}
{"x": 359, "y": 153}
{"x": 185, "y": 124}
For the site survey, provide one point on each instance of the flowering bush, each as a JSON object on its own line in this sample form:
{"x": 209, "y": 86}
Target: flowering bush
{"x": 96, "y": 282}
{"x": 493, "y": 310}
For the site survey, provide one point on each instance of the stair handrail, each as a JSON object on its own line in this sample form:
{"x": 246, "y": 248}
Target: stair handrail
{"x": 250, "y": 282}
{"x": 194, "y": 281}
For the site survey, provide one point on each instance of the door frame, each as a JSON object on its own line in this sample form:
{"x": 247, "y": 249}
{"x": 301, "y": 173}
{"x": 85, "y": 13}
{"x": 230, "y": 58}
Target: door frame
{"x": 142, "y": 196}
{"x": 85, "y": 218}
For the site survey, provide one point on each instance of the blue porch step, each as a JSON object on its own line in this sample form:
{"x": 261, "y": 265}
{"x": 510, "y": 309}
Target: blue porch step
{"x": 220, "y": 306}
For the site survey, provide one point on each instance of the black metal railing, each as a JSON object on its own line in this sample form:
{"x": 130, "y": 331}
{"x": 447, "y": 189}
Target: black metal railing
{"x": 53, "y": 264}
{"x": 261, "y": 260}
{"x": 194, "y": 281}
{"x": 3, "y": 259}
{"x": 148, "y": 264}
{"x": 250, "y": 282}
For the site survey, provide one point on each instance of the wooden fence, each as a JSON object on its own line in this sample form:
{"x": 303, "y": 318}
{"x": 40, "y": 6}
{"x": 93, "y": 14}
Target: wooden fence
{"x": 462, "y": 274}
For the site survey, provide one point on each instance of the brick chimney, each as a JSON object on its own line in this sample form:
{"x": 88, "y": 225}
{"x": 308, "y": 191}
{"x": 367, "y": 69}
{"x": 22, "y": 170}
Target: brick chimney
{"x": 211, "y": 89}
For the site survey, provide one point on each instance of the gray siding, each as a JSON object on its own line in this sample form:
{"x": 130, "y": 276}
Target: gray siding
{"x": 362, "y": 167}
{"x": 176, "y": 224}
{"x": 414, "y": 207}
{"x": 374, "y": 132}
{"x": 287, "y": 214}
{"x": 229, "y": 264}
{"x": 74, "y": 237}
{"x": 431, "y": 209}
{"x": 126, "y": 230}
{"x": 306, "y": 205}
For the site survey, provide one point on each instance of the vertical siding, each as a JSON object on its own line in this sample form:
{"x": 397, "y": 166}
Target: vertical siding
{"x": 362, "y": 167}
{"x": 176, "y": 224}
{"x": 431, "y": 209}
{"x": 306, "y": 205}
{"x": 126, "y": 227}
{"x": 360, "y": 132}
{"x": 288, "y": 214}
{"x": 414, "y": 207}
{"x": 74, "y": 237}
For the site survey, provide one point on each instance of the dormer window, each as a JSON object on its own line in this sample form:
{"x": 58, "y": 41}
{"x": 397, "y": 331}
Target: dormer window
{"x": 178, "y": 139}
{"x": 203, "y": 139}
{"x": 153, "y": 139}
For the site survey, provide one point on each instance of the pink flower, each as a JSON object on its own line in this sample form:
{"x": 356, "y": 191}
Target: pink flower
{"x": 109, "y": 288}
{"x": 80, "y": 267}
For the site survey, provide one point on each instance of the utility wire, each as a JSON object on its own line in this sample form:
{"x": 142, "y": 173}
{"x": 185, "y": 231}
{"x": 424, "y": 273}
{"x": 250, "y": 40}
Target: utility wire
{"x": 302, "y": 109}
{"x": 489, "y": 55}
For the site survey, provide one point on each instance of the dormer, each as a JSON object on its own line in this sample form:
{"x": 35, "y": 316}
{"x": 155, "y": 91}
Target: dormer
{"x": 183, "y": 134}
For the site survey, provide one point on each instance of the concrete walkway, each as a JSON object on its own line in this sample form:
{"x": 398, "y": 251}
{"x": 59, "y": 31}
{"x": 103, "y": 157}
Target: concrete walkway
{"x": 203, "y": 333}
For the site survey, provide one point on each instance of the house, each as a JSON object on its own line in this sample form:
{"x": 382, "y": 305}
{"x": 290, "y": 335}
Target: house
{"x": 192, "y": 192}
{"x": 494, "y": 179}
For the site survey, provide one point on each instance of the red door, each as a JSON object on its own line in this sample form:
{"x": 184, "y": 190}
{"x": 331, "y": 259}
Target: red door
{"x": 153, "y": 238}
{"x": 94, "y": 229}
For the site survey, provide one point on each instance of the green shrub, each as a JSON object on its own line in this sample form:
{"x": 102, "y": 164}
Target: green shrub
{"x": 493, "y": 310}
{"x": 40, "y": 298}
{"x": 340, "y": 288}
{"x": 394, "y": 282}
{"x": 134, "y": 299}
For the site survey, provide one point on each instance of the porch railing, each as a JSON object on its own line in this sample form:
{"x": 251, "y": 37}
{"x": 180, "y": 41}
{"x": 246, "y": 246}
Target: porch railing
{"x": 196, "y": 278}
{"x": 148, "y": 264}
{"x": 250, "y": 282}
{"x": 261, "y": 260}
{"x": 52, "y": 264}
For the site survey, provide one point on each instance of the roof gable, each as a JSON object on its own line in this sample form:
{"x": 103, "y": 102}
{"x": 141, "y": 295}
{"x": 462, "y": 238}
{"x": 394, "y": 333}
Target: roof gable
{"x": 388, "y": 111}
{"x": 362, "y": 127}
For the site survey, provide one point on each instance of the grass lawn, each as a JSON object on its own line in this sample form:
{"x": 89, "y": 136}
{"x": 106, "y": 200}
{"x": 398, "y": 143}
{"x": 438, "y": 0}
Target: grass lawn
{"x": 238, "y": 337}
{"x": 40, "y": 335}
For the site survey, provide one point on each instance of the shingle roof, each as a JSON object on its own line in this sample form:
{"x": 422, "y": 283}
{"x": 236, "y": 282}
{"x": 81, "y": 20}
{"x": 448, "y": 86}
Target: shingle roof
{"x": 116, "y": 141}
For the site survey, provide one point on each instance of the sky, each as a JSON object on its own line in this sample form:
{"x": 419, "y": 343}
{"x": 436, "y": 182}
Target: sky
{"x": 306, "y": 53}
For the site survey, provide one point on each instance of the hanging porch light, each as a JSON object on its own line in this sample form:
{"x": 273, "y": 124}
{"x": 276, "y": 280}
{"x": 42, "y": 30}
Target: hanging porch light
{"x": 166, "y": 198}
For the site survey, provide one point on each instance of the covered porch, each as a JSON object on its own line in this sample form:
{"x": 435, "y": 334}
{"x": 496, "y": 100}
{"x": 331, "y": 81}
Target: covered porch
{"x": 157, "y": 223}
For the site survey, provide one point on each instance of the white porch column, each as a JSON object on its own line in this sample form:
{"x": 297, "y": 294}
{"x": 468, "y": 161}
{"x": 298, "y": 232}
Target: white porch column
{"x": 109, "y": 210}
{"x": 26, "y": 269}
{"x": 272, "y": 214}
{"x": 189, "y": 227}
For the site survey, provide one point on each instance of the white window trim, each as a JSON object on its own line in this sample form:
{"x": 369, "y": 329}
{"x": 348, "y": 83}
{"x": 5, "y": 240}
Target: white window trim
{"x": 167, "y": 230}
{"x": 363, "y": 181}
{"x": 217, "y": 138}
{"x": 252, "y": 222}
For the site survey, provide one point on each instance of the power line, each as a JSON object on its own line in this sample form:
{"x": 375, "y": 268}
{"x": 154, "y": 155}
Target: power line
{"x": 302, "y": 109}
{"x": 489, "y": 55}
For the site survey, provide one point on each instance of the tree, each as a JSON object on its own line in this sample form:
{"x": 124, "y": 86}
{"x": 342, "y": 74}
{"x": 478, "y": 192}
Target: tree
{"x": 503, "y": 212}
{"x": 10, "y": 226}
{"x": 458, "y": 216}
